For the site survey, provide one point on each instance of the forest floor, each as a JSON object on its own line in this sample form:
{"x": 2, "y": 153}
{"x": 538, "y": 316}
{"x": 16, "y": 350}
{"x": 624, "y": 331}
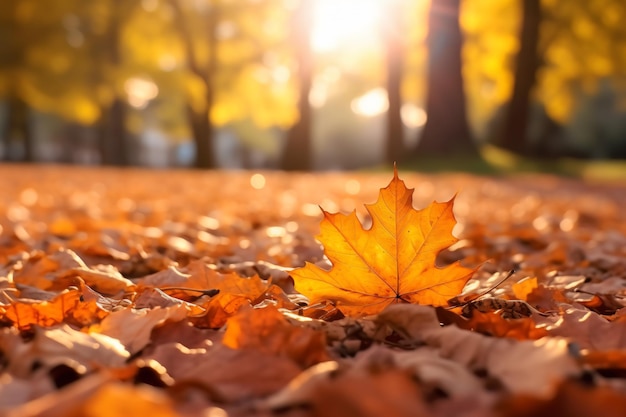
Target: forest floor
{"x": 129, "y": 292}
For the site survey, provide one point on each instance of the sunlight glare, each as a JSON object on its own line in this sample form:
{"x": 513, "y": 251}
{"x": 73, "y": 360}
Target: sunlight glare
{"x": 413, "y": 116}
{"x": 340, "y": 22}
{"x": 140, "y": 91}
{"x": 371, "y": 104}
{"x": 318, "y": 95}
{"x": 257, "y": 181}
{"x": 353, "y": 187}
{"x": 150, "y": 5}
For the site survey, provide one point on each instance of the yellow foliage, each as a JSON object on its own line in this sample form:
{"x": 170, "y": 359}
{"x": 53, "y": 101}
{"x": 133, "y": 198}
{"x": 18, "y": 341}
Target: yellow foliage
{"x": 195, "y": 90}
{"x": 488, "y": 54}
{"x": 581, "y": 40}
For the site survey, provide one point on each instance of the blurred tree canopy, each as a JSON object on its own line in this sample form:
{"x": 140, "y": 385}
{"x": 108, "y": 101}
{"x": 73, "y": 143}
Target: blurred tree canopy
{"x": 527, "y": 74}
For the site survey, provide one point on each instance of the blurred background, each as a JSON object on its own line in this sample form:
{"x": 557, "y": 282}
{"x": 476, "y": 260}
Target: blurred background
{"x": 310, "y": 84}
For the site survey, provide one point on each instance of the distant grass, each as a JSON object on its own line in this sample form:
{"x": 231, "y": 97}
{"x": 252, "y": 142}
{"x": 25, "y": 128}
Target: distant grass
{"x": 599, "y": 170}
{"x": 452, "y": 163}
{"x": 495, "y": 161}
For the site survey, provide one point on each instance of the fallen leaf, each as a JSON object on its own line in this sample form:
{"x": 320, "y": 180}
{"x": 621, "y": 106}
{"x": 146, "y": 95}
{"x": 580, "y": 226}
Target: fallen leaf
{"x": 26, "y": 313}
{"x": 185, "y": 333}
{"x": 493, "y": 324}
{"x": 40, "y": 269}
{"x": 65, "y": 402}
{"x": 588, "y": 329}
{"x": 545, "y": 361}
{"x": 605, "y": 304}
{"x": 268, "y": 331}
{"x": 197, "y": 275}
{"x": 546, "y": 299}
{"x": 16, "y": 391}
{"x": 329, "y": 391}
{"x": 117, "y": 399}
{"x": 61, "y": 345}
{"x": 392, "y": 262}
{"x": 133, "y": 327}
{"x": 228, "y": 374}
{"x": 204, "y": 277}
{"x": 219, "y": 309}
{"x": 105, "y": 279}
{"x": 433, "y": 371}
{"x": 154, "y": 297}
{"x": 572, "y": 399}
{"x": 524, "y": 287}
{"x": 607, "y": 359}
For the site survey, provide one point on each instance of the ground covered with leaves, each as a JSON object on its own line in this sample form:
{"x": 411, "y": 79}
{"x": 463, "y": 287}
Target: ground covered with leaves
{"x": 172, "y": 293}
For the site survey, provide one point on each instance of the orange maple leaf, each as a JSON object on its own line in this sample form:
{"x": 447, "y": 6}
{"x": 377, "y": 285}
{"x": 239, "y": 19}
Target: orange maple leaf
{"x": 392, "y": 262}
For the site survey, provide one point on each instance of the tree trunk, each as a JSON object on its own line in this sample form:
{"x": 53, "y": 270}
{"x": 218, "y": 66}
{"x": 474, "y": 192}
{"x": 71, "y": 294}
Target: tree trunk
{"x": 206, "y": 157}
{"x": 447, "y": 130}
{"x": 513, "y": 134}
{"x": 298, "y": 152}
{"x": 113, "y": 137}
{"x": 394, "y": 49}
{"x": 18, "y": 126}
{"x": 202, "y": 130}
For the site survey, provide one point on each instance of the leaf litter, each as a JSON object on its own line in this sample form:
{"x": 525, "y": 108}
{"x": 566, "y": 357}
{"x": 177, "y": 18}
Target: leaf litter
{"x": 172, "y": 294}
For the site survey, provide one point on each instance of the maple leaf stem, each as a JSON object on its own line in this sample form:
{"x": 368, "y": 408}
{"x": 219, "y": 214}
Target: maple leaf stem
{"x": 458, "y": 302}
{"x": 211, "y": 292}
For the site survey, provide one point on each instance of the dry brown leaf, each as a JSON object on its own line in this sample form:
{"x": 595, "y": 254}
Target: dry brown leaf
{"x": 546, "y": 299}
{"x": 588, "y": 329}
{"x": 133, "y": 327}
{"x": 66, "y": 402}
{"x": 204, "y": 277}
{"x": 185, "y": 333}
{"x": 154, "y": 297}
{"x": 267, "y": 330}
{"x": 105, "y": 279}
{"x": 40, "y": 269}
{"x": 331, "y": 392}
{"x": 546, "y": 361}
{"x": 605, "y": 304}
{"x": 434, "y": 372}
{"x": 494, "y": 324}
{"x": 228, "y": 375}
{"x": 86, "y": 313}
{"x": 169, "y": 277}
{"x": 219, "y": 309}
{"x": 61, "y": 345}
{"x": 198, "y": 275}
{"x": 24, "y": 314}
{"x": 524, "y": 287}
{"x": 17, "y": 391}
{"x": 572, "y": 399}
{"x": 392, "y": 262}
{"x": 606, "y": 359}
{"x": 117, "y": 399}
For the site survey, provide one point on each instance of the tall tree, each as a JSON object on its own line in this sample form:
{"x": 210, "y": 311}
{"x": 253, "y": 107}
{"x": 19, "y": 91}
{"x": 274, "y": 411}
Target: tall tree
{"x": 513, "y": 134}
{"x": 113, "y": 136}
{"x": 18, "y": 126}
{"x": 394, "y": 60}
{"x": 202, "y": 129}
{"x": 298, "y": 152}
{"x": 15, "y": 36}
{"x": 447, "y": 130}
